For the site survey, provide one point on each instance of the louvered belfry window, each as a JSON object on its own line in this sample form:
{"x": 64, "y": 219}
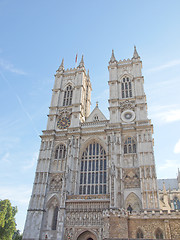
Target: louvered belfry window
{"x": 68, "y": 96}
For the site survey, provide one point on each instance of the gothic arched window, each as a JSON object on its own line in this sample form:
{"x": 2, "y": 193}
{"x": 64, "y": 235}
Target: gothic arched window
{"x": 129, "y": 146}
{"x": 59, "y": 158}
{"x": 139, "y": 234}
{"x": 54, "y": 220}
{"x": 159, "y": 234}
{"x": 60, "y": 152}
{"x": 68, "y": 96}
{"x": 93, "y": 172}
{"x": 126, "y": 88}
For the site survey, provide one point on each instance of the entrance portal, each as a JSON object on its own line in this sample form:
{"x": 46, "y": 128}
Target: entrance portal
{"x": 87, "y": 236}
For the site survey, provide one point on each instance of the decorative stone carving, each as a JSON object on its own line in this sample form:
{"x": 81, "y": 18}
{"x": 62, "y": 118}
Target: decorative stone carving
{"x": 128, "y": 104}
{"x": 56, "y": 182}
{"x": 131, "y": 178}
{"x": 81, "y": 218}
{"x": 64, "y": 113}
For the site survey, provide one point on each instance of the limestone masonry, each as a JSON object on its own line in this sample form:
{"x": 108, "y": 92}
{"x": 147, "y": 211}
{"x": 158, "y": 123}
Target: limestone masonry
{"x": 96, "y": 178}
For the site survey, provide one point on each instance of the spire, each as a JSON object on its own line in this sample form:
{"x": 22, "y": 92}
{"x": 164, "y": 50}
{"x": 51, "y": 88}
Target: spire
{"x": 135, "y": 55}
{"x": 61, "y": 67}
{"x": 81, "y": 64}
{"x": 112, "y": 59}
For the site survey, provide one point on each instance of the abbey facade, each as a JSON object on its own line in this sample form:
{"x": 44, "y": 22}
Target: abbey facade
{"x": 96, "y": 178}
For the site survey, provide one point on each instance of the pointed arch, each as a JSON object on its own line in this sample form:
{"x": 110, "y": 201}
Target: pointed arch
{"x": 88, "y": 235}
{"x": 133, "y": 202}
{"x": 159, "y": 234}
{"x": 52, "y": 212}
{"x": 126, "y": 86}
{"x": 139, "y": 233}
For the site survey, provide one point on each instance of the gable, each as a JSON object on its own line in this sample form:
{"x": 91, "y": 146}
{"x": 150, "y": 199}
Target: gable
{"x": 96, "y": 116}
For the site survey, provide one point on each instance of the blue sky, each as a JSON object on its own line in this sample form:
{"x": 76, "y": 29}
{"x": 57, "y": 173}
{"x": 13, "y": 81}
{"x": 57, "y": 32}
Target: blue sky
{"x": 36, "y": 35}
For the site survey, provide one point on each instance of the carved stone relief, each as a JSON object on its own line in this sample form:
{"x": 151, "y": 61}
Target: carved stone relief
{"x": 131, "y": 178}
{"x": 56, "y": 182}
{"x": 127, "y": 105}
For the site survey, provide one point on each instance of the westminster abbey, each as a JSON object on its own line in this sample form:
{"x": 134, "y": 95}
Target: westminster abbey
{"x": 96, "y": 177}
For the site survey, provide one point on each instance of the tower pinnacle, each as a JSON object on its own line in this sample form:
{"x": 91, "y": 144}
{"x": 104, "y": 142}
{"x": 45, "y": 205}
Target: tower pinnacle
{"x": 81, "y": 64}
{"x": 112, "y": 59}
{"x": 61, "y": 67}
{"x": 135, "y": 55}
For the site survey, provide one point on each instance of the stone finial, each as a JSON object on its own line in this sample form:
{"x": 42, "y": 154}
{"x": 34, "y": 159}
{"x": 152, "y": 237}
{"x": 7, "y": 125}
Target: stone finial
{"x": 61, "y": 67}
{"x": 112, "y": 59}
{"x": 88, "y": 73}
{"x": 135, "y": 55}
{"x": 97, "y": 104}
{"x": 164, "y": 188}
{"x": 81, "y": 64}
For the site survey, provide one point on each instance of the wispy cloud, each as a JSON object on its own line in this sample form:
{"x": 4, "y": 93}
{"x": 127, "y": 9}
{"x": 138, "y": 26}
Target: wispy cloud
{"x": 177, "y": 147}
{"x": 5, "y": 158}
{"x": 10, "y": 67}
{"x": 165, "y": 113}
{"x": 170, "y": 64}
{"x": 19, "y": 101}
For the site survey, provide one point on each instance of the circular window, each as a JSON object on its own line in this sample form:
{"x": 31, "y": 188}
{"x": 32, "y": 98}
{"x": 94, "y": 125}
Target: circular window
{"x": 128, "y": 116}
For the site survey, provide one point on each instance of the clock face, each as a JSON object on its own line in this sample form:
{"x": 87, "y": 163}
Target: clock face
{"x": 63, "y": 123}
{"x": 128, "y": 116}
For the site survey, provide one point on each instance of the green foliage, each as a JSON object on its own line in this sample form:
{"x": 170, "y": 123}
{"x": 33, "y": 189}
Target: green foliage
{"x": 17, "y": 235}
{"x": 7, "y": 220}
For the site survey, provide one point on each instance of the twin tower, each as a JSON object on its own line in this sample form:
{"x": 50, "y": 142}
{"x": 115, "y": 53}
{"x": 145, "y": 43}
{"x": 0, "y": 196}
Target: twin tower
{"x": 88, "y": 166}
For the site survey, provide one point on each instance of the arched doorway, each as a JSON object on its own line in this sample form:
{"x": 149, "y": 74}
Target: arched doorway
{"x": 87, "y": 235}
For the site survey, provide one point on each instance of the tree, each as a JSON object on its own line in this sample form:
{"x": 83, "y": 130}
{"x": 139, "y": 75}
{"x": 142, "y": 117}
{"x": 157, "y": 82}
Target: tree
{"x": 17, "y": 235}
{"x": 7, "y": 220}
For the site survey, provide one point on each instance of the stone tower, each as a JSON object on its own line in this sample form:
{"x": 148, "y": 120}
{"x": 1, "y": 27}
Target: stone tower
{"x": 130, "y": 134}
{"x": 89, "y": 166}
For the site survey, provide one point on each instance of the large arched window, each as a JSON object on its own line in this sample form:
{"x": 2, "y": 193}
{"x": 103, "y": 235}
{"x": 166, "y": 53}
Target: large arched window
{"x": 93, "y": 172}
{"x": 54, "y": 220}
{"x": 68, "y": 96}
{"x": 59, "y": 158}
{"x": 139, "y": 234}
{"x": 159, "y": 234}
{"x": 129, "y": 146}
{"x": 126, "y": 88}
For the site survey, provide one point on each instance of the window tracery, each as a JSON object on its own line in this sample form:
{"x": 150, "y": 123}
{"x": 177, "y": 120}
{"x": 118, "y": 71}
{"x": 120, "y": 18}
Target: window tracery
{"x": 60, "y": 155}
{"x": 129, "y": 146}
{"x": 68, "y": 96}
{"x": 93, "y": 172}
{"x": 139, "y": 234}
{"x": 126, "y": 87}
{"x": 159, "y": 234}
